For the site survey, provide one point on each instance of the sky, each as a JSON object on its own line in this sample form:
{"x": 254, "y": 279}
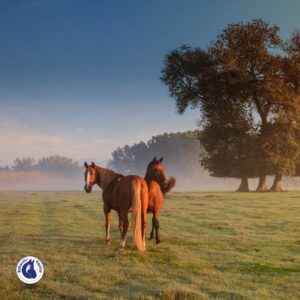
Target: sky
{"x": 81, "y": 77}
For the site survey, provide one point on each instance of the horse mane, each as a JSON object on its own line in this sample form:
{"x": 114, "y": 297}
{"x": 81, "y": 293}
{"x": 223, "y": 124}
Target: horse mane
{"x": 147, "y": 176}
{"x": 112, "y": 183}
{"x": 106, "y": 177}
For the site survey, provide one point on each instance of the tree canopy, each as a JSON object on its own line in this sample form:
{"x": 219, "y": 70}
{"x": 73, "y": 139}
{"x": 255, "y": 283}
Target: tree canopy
{"x": 246, "y": 86}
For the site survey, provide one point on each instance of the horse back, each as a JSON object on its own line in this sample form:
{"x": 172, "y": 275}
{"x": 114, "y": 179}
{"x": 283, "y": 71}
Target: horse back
{"x": 120, "y": 196}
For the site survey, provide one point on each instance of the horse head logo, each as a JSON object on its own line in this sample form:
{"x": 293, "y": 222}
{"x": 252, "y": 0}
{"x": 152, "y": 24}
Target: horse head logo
{"x": 28, "y": 269}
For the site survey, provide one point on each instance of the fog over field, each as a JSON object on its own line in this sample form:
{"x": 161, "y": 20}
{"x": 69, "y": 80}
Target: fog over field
{"x": 58, "y": 180}
{"x": 181, "y": 153}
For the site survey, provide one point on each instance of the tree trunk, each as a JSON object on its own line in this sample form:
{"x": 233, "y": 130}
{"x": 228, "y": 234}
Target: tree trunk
{"x": 262, "y": 184}
{"x": 244, "y": 187}
{"x": 277, "y": 184}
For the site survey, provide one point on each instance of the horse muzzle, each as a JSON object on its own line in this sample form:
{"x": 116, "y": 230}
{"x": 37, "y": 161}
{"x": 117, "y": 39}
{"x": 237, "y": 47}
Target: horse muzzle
{"x": 88, "y": 188}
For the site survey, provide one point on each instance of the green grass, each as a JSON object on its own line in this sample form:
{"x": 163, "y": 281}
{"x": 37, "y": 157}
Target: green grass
{"x": 214, "y": 246}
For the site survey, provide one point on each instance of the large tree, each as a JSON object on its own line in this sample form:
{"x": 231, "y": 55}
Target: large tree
{"x": 228, "y": 139}
{"x": 251, "y": 50}
{"x": 242, "y": 69}
{"x": 247, "y": 49}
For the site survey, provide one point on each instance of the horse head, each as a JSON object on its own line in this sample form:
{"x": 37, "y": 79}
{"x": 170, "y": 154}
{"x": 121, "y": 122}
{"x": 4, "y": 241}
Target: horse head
{"x": 155, "y": 171}
{"x": 90, "y": 176}
{"x": 28, "y": 269}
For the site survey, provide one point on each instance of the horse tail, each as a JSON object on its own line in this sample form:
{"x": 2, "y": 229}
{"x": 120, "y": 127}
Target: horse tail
{"x": 137, "y": 214}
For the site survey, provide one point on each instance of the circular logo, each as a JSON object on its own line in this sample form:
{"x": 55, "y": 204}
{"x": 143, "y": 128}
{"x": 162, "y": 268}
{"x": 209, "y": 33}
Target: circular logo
{"x": 30, "y": 269}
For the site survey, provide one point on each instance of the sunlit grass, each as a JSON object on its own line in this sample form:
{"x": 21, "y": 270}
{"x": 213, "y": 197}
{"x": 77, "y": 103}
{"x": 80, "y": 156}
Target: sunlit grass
{"x": 214, "y": 245}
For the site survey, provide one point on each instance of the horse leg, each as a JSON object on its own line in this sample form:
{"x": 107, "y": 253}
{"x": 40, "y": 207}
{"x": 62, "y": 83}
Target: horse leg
{"x": 107, "y": 223}
{"x": 121, "y": 229}
{"x": 124, "y": 223}
{"x": 152, "y": 230}
{"x": 156, "y": 225}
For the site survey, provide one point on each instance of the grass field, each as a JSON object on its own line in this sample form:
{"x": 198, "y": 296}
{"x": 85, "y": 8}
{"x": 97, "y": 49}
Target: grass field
{"x": 214, "y": 246}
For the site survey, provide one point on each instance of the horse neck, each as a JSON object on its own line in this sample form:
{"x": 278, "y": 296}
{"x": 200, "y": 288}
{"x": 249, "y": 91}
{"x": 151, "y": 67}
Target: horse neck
{"x": 147, "y": 177}
{"x": 105, "y": 177}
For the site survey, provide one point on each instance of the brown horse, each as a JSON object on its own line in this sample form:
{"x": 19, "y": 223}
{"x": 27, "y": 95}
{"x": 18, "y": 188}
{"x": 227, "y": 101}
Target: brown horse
{"x": 123, "y": 194}
{"x": 158, "y": 186}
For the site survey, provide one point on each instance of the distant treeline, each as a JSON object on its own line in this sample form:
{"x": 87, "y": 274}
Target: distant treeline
{"x": 47, "y": 173}
{"x": 181, "y": 152}
{"x": 183, "y": 156}
{"x": 50, "y": 164}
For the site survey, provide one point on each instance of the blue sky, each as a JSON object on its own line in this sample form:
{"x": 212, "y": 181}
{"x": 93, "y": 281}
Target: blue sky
{"x": 79, "y": 78}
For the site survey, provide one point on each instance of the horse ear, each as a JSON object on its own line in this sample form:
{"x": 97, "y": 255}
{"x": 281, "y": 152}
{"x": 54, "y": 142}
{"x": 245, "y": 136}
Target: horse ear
{"x": 93, "y": 164}
{"x": 154, "y": 159}
{"x": 86, "y": 165}
{"x": 161, "y": 159}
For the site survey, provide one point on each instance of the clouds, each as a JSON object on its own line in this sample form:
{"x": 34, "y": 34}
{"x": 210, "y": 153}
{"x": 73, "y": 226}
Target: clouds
{"x": 79, "y": 130}
{"x": 36, "y": 129}
{"x": 18, "y": 139}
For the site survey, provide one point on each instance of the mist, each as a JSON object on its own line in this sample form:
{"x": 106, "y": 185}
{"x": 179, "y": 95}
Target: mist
{"x": 181, "y": 159}
{"x": 40, "y": 181}
{"x": 59, "y": 180}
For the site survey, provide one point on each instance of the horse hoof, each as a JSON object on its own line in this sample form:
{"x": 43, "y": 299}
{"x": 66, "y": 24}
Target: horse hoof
{"x": 151, "y": 238}
{"x": 122, "y": 249}
{"x": 107, "y": 242}
{"x": 158, "y": 241}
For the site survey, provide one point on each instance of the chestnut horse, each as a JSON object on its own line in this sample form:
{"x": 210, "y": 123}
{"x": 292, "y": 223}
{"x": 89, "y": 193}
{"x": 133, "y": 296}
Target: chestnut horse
{"x": 158, "y": 186}
{"x": 123, "y": 194}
